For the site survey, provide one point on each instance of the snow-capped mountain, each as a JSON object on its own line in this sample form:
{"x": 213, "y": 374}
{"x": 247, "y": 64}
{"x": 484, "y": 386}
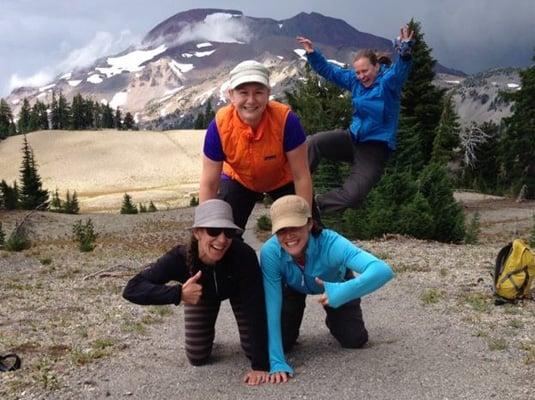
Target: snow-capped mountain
{"x": 184, "y": 62}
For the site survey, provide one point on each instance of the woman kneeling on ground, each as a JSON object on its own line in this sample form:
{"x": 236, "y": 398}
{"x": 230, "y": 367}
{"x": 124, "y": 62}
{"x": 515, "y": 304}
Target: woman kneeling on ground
{"x": 216, "y": 266}
{"x": 302, "y": 259}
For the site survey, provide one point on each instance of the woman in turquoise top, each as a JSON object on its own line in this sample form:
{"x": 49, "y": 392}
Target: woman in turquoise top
{"x": 303, "y": 259}
{"x": 375, "y": 85}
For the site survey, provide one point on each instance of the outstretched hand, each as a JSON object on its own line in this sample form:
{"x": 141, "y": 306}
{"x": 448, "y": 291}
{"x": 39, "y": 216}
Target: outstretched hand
{"x": 323, "y": 299}
{"x": 405, "y": 35}
{"x": 191, "y": 290}
{"x": 306, "y": 43}
{"x": 279, "y": 377}
{"x": 254, "y": 377}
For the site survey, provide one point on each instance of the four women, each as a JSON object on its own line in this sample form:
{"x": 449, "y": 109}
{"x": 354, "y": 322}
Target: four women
{"x": 256, "y": 146}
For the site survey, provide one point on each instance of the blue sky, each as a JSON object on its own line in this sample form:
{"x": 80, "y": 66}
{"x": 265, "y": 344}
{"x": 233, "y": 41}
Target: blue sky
{"x": 41, "y": 38}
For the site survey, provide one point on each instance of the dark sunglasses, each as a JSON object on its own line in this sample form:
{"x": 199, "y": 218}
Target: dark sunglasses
{"x": 215, "y": 232}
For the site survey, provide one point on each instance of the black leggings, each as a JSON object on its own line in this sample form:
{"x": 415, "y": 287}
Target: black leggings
{"x": 345, "y": 322}
{"x": 199, "y": 322}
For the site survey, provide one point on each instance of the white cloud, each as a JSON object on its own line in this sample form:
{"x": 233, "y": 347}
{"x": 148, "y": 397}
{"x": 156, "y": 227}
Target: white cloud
{"x": 217, "y": 27}
{"x": 39, "y": 79}
{"x": 102, "y": 44}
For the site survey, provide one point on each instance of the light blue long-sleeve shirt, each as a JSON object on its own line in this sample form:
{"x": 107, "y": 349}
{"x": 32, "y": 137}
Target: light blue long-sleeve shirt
{"x": 327, "y": 257}
{"x": 375, "y": 108}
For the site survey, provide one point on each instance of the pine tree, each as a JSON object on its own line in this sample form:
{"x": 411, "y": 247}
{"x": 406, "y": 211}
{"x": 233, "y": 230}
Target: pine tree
{"x": 117, "y": 123}
{"x": 71, "y": 205}
{"x": 2, "y": 237}
{"x": 89, "y": 114}
{"x": 152, "y": 207}
{"x": 77, "y": 110}
{"x": 32, "y": 195}
{"x": 38, "y": 117}
{"x": 107, "y": 117}
{"x": 24, "y": 117}
{"x": 421, "y": 99}
{"x": 142, "y": 208}
{"x": 447, "y": 214}
{"x": 9, "y": 195}
{"x": 6, "y": 119}
{"x": 199, "y": 122}
{"x": 60, "y": 112}
{"x": 518, "y": 145}
{"x": 56, "y": 203}
{"x": 64, "y": 112}
{"x": 128, "y": 207}
{"x": 97, "y": 115}
{"x": 409, "y": 151}
{"x": 447, "y": 134}
{"x": 209, "y": 113}
{"x": 128, "y": 123}
{"x": 54, "y": 113}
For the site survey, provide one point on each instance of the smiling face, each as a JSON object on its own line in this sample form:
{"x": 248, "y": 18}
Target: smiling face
{"x": 366, "y": 71}
{"x": 211, "y": 248}
{"x": 250, "y": 100}
{"x": 294, "y": 240}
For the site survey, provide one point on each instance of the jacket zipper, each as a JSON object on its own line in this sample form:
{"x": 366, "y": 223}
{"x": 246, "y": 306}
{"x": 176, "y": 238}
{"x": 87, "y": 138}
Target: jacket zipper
{"x": 215, "y": 283}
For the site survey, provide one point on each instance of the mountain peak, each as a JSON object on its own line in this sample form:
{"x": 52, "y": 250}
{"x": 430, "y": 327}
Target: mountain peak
{"x": 174, "y": 25}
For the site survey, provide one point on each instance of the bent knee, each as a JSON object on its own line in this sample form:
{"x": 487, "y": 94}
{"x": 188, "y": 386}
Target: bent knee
{"x": 354, "y": 341}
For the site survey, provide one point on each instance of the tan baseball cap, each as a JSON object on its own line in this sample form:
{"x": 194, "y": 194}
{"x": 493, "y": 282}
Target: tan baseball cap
{"x": 289, "y": 211}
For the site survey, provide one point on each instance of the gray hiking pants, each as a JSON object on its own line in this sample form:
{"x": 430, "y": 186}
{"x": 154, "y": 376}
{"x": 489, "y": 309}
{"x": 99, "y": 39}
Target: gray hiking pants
{"x": 367, "y": 159}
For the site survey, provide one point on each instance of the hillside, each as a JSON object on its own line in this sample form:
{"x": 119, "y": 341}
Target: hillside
{"x": 102, "y": 165}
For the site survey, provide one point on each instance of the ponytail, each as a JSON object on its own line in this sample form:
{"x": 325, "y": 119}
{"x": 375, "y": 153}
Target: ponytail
{"x": 381, "y": 58}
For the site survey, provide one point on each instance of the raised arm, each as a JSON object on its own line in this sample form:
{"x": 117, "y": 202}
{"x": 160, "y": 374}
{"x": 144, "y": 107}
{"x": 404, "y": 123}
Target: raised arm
{"x": 345, "y": 78}
{"x": 396, "y": 76}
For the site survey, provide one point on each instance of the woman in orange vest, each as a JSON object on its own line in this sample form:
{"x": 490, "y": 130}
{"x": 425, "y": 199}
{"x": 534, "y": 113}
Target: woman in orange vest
{"x": 253, "y": 146}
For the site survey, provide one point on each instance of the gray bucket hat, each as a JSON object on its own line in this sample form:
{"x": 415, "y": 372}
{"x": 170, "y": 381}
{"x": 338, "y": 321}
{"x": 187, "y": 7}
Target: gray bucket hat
{"x": 214, "y": 213}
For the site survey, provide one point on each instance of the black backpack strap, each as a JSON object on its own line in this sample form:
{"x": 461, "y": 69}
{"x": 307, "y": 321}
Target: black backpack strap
{"x": 500, "y": 261}
{"x": 9, "y": 366}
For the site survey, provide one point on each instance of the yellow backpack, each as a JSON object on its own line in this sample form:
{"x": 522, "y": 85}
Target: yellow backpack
{"x": 514, "y": 272}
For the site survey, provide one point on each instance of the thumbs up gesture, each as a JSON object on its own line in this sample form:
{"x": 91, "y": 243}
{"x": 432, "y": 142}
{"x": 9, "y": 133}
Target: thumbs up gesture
{"x": 323, "y": 299}
{"x": 192, "y": 290}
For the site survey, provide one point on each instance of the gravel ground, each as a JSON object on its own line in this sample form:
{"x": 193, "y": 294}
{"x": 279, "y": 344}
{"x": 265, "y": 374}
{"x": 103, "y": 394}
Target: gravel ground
{"x": 434, "y": 330}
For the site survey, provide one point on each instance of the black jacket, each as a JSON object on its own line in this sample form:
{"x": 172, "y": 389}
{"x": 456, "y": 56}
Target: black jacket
{"x": 236, "y": 274}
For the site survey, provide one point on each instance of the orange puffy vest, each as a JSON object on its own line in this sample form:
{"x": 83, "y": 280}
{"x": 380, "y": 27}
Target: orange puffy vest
{"x": 255, "y": 159}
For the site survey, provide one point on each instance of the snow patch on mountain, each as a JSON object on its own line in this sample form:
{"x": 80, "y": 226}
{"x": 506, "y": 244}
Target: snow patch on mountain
{"x": 301, "y": 53}
{"x": 336, "y": 62}
{"x": 95, "y": 78}
{"x": 205, "y": 44}
{"x": 205, "y": 96}
{"x": 180, "y": 69}
{"x": 45, "y": 88}
{"x": 74, "y": 83}
{"x": 118, "y": 99}
{"x": 203, "y": 53}
{"x": 130, "y": 62}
